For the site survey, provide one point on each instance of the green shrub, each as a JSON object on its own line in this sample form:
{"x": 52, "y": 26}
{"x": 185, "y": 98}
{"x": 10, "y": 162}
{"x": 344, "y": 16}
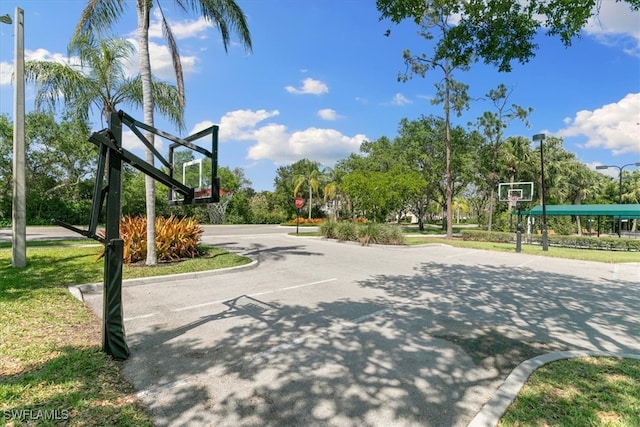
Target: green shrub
{"x": 393, "y": 235}
{"x": 561, "y": 225}
{"x": 328, "y": 229}
{"x": 572, "y": 241}
{"x": 346, "y": 231}
{"x": 488, "y": 236}
{"x": 370, "y": 233}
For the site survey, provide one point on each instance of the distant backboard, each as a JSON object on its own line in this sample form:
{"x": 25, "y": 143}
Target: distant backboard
{"x": 514, "y": 192}
{"x": 196, "y": 168}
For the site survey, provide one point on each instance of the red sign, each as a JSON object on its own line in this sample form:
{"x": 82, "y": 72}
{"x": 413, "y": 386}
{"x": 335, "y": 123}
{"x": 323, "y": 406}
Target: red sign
{"x": 299, "y": 202}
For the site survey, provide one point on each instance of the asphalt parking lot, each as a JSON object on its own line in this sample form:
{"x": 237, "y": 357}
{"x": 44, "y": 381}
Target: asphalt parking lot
{"x": 320, "y": 333}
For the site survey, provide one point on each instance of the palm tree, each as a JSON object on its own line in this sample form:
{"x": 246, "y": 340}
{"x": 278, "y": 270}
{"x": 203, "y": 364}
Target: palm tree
{"x": 309, "y": 177}
{"x": 98, "y": 81}
{"x": 98, "y": 17}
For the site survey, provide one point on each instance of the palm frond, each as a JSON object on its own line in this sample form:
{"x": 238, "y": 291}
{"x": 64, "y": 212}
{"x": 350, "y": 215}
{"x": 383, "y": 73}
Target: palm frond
{"x": 228, "y": 16}
{"x": 98, "y": 17}
{"x": 175, "y": 56}
{"x": 56, "y": 82}
{"x": 164, "y": 97}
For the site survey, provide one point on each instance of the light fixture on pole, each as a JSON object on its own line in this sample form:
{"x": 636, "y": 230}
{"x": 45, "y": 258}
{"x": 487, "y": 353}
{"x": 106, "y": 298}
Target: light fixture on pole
{"x": 543, "y": 223}
{"x": 620, "y": 168}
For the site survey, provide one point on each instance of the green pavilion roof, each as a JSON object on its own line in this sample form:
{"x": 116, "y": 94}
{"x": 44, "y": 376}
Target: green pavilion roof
{"x": 630, "y": 211}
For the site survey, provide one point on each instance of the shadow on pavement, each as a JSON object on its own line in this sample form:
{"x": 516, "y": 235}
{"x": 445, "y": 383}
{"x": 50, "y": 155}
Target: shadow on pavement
{"x": 429, "y": 351}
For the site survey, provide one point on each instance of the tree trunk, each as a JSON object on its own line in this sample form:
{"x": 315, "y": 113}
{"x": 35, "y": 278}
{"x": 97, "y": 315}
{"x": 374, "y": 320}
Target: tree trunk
{"x": 144, "y": 7}
{"x": 447, "y": 126}
{"x": 310, "y": 199}
{"x": 490, "y": 219}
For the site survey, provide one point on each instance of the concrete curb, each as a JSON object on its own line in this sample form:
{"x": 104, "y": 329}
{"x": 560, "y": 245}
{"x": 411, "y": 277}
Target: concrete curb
{"x": 492, "y": 411}
{"x": 79, "y": 290}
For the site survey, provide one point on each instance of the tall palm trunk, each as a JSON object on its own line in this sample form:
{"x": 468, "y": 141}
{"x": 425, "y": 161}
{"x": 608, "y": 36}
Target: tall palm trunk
{"x": 310, "y": 199}
{"x": 143, "y": 7}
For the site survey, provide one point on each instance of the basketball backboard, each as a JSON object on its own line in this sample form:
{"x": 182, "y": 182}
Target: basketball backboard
{"x": 196, "y": 168}
{"x": 515, "y": 192}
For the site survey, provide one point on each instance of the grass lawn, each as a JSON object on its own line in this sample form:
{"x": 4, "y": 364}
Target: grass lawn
{"x": 588, "y": 391}
{"x": 556, "y": 252}
{"x": 52, "y": 370}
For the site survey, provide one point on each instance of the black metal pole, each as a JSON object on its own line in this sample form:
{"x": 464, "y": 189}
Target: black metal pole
{"x": 543, "y": 225}
{"x": 297, "y": 220}
{"x": 113, "y": 336}
{"x": 519, "y": 229}
{"x": 620, "y": 200}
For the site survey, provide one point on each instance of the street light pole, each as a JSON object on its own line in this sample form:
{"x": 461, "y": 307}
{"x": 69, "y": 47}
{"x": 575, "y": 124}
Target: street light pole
{"x": 18, "y": 209}
{"x": 19, "y": 217}
{"x": 543, "y": 224}
{"x": 620, "y": 168}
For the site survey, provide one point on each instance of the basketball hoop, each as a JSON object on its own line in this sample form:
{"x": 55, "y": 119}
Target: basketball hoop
{"x": 218, "y": 210}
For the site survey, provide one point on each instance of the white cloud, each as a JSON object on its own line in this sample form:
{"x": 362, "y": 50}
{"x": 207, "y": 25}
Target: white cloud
{"x": 6, "y": 69}
{"x": 309, "y": 87}
{"x": 181, "y": 29}
{"x": 616, "y": 24}
{"x": 273, "y": 141}
{"x": 612, "y": 172}
{"x": 161, "y": 64}
{"x": 240, "y": 125}
{"x": 327, "y": 114}
{"x": 615, "y": 126}
{"x": 322, "y": 145}
{"x": 400, "y": 100}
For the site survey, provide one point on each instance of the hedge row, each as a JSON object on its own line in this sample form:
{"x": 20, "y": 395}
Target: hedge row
{"x": 581, "y": 242}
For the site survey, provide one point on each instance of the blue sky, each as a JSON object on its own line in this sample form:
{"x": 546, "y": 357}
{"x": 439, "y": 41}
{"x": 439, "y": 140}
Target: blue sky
{"x": 322, "y": 78}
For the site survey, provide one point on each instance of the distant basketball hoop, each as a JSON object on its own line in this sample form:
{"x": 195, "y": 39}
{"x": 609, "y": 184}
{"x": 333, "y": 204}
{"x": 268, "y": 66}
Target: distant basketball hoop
{"x": 514, "y": 193}
{"x": 196, "y": 168}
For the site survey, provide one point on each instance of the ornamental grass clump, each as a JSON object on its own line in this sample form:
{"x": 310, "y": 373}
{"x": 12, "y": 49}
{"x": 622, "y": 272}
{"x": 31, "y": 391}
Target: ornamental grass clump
{"x": 328, "y": 229}
{"x": 393, "y": 235}
{"x": 369, "y": 233}
{"x": 346, "y": 231}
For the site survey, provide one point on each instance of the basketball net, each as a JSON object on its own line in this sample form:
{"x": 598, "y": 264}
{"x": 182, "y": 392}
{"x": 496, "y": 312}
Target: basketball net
{"x": 218, "y": 211}
{"x": 513, "y": 201}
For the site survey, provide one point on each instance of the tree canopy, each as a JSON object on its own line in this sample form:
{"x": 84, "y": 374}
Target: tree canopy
{"x": 497, "y": 32}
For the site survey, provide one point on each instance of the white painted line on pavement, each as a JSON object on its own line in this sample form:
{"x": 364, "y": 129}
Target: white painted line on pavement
{"x": 304, "y": 285}
{"x": 142, "y": 316}
{"x": 160, "y": 389}
{"x": 205, "y": 304}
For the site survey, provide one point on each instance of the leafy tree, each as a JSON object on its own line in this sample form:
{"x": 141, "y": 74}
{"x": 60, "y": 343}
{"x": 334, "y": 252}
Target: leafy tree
{"x": 99, "y": 16}
{"x": 420, "y": 144}
{"x": 309, "y": 178}
{"x": 492, "y": 125}
{"x": 379, "y": 181}
{"x": 59, "y": 161}
{"x": 453, "y": 95}
{"x": 498, "y": 32}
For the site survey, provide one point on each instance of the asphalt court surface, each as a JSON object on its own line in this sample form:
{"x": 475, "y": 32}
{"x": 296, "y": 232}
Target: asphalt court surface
{"x": 321, "y": 333}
